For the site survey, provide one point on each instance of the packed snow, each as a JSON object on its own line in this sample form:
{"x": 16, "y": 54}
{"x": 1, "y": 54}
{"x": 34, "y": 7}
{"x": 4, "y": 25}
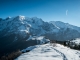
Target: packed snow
{"x": 49, "y": 52}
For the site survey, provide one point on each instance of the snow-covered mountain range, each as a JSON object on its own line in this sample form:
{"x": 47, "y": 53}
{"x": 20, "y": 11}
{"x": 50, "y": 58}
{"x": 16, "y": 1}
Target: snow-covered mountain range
{"x": 24, "y": 27}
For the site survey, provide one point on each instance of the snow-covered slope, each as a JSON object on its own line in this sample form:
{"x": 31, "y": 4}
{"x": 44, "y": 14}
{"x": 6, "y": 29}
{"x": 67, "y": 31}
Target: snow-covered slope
{"x": 50, "y": 52}
{"x": 60, "y": 24}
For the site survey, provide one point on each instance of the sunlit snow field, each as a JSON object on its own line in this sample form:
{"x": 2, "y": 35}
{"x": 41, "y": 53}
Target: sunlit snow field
{"x": 50, "y": 52}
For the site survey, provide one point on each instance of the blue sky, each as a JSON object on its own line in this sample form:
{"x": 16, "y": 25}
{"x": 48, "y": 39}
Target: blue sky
{"x": 49, "y": 10}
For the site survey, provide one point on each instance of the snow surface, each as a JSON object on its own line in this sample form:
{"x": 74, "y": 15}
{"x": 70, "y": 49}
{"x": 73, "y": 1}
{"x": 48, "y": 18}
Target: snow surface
{"x": 50, "y": 52}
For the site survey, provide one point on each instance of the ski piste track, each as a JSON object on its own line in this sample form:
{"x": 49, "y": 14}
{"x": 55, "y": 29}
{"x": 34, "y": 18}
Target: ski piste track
{"x": 64, "y": 57}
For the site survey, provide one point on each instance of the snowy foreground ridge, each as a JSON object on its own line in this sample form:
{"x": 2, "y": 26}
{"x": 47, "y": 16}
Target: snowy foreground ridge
{"x": 50, "y": 52}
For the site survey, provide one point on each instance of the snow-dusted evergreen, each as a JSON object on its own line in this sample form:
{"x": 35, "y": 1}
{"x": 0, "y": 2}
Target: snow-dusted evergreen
{"x": 75, "y": 43}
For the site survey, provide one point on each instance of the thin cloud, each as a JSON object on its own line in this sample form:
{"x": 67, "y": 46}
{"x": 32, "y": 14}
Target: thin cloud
{"x": 66, "y": 12}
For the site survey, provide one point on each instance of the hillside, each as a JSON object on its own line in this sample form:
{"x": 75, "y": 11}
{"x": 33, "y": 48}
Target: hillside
{"x": 50, "y": 52}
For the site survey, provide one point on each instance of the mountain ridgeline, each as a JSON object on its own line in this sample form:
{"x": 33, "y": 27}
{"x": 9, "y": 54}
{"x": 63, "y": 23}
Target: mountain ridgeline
{"x": 20, "y": 27}
{"x": 16, "y": 30}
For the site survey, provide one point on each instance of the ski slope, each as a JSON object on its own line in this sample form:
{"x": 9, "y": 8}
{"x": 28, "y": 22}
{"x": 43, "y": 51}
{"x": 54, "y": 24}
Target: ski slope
{"x": 50, "y": 52}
